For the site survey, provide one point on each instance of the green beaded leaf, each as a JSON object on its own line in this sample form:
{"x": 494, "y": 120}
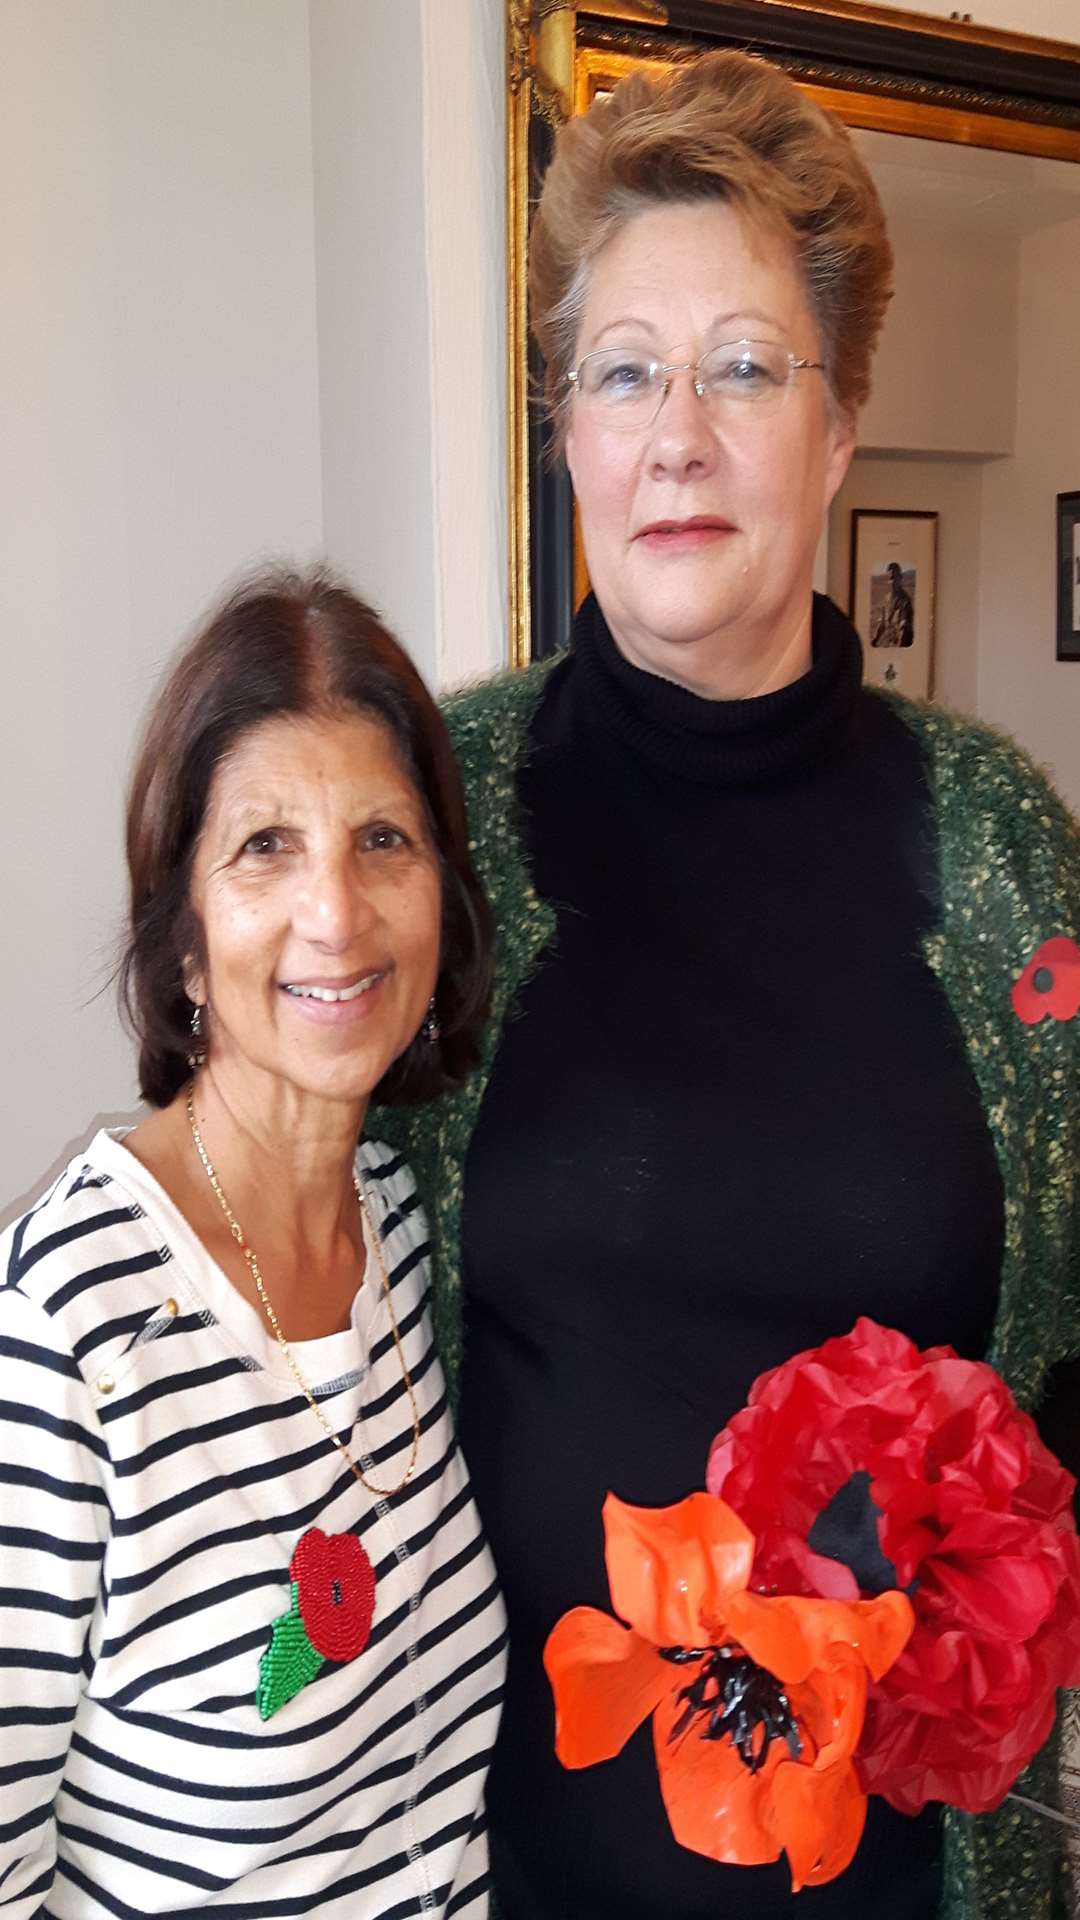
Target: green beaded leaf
{"x": 289, "y": 1662}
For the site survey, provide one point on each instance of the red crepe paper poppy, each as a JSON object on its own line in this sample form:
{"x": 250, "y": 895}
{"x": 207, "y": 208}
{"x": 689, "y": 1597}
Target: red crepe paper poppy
{"x": 1050, "y": 983}
{"x": 973, "y": 1518}
{"x": 757, "y": 1702}
{"x": 335, "y": 1584}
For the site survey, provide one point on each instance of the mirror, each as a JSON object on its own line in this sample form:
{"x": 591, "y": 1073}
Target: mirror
{"x": 966, "y": 421}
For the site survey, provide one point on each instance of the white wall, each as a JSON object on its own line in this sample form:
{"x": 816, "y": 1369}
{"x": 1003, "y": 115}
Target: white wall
{"x": 251, "y": 303}
{"x": 407, "y": 113}
{"x": 374, "y": 339}
{"x": 464, "y": 75}
{"x": 159, "y": 426}
{"x": 1021, "y": 685}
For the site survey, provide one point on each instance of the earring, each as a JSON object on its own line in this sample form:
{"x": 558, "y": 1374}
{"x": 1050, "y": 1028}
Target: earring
{"x": 431, "y": 1030}
{"x": 197, "y": 1054}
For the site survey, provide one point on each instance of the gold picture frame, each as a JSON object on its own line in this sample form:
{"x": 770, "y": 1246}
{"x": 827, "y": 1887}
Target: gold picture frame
{"x": 875, "y": 67}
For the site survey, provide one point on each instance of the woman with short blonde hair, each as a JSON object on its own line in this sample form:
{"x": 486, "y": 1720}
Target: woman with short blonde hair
{"x": 758, "y": 145}
{"x": 753, "y": 1071}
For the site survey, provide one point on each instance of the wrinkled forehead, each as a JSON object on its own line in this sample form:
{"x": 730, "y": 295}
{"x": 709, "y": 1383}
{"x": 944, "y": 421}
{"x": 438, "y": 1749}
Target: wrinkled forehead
{"x": 693, "y": 270}
{"x": 342, "y": 757}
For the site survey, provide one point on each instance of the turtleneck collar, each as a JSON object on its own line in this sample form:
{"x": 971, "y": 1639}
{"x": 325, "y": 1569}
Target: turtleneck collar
{"x": 725, "y": 742}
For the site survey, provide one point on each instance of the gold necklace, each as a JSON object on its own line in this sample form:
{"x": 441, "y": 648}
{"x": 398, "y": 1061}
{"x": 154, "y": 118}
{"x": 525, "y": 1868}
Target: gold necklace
{"x": 381, "y": 1493}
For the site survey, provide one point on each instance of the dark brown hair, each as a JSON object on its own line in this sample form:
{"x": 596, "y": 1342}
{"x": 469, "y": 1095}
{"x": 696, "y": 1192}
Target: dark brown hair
{"x": 302, "y": 645}
{"x": 729, "y": 127}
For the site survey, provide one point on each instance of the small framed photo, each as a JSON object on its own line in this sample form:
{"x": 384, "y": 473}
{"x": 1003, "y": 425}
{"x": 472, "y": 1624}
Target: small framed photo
{"x": 1068, "y": 593}
{"x": 892, "y": 597}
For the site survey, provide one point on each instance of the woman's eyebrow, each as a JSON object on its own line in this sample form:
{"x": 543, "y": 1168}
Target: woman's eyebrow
{"x": 233, "y": 816}
{"x": 270, "y": 808}
{"x": 627, "y": 320}
{"x": 743, "y": 316}
{"x": 737, "y": 316}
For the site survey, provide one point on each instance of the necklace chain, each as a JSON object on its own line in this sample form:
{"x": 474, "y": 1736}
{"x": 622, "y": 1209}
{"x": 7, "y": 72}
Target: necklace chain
{"x": 248, "y": 1251}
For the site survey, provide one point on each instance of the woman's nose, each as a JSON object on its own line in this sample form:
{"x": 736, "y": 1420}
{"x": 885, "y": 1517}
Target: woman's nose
{"x": 683, "y": 439}
{"x": 332, "y": 904}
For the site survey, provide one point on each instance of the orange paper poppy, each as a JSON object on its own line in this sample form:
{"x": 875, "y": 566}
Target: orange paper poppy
{"x": 757, "y": 1701}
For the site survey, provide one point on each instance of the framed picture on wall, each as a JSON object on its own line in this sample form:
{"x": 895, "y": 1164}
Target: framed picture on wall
{"x": 892, "y": 597}
{"x": 1068, "y": 594}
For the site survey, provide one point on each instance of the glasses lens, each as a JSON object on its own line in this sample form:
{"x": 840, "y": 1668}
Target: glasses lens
{"x": 625, "y": 385}
{"x": 745, "y": 371}
{"x": 627, "y": 388}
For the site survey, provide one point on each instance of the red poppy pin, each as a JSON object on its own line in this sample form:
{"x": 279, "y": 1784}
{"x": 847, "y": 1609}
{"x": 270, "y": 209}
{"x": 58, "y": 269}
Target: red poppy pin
{"x": 332, "y": 1607}
{"x": 1050, "y": 983}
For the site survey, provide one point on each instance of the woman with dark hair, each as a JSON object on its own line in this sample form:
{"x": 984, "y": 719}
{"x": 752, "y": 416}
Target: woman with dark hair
{"x": 753, "y": 1069}
{"x": 253, "y": 1646}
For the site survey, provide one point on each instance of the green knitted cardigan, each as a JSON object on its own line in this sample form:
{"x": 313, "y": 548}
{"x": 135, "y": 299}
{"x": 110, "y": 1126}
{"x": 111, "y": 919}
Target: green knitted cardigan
{"x": 1009, "y": 858}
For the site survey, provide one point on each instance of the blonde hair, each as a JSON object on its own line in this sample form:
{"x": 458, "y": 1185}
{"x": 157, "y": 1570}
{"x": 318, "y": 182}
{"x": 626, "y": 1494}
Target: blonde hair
{"x": 726, "y": 127}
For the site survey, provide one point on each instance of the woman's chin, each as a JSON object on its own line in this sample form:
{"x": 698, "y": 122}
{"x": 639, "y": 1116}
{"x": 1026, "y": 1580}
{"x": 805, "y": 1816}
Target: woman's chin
{"x": 331, "y": 1070}
{"x": 683, "y": 600}
{"x": 682, "y": 626}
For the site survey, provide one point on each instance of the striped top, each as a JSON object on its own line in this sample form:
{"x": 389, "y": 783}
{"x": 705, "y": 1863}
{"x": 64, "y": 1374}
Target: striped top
{"x": 157, "y": 1469}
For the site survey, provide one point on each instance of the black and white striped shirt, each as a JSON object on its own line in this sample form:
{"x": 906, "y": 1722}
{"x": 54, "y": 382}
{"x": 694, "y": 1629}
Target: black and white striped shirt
{"x": 158, "y": 1466}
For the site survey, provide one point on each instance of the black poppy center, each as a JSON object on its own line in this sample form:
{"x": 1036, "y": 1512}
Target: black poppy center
{"x": 735, "y": 1699}
{"x": 847, "y": 1530}
{"x": 1042, "y": 979}
{"x": 335, "y": 1592}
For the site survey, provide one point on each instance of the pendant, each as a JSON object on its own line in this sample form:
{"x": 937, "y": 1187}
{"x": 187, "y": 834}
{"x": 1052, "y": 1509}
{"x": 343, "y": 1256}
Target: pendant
{"x": 329, "y": 1618}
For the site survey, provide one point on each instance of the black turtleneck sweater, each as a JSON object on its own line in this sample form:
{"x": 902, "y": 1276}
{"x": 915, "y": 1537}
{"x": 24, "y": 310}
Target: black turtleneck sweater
{"x": 732, "y": 1114}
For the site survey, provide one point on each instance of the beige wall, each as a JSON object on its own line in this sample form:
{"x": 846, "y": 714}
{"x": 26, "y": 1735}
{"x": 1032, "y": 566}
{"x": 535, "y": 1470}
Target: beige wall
{"x": 1051, "y": 19}
{"x": 1021, "y": 685}
{"x": 951, "y": 489}
{"x": 931, "y": 392}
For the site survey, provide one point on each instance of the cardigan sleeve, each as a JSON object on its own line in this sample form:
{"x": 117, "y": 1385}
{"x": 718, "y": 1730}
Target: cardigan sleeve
{"x": 54, "y": 1520}
{"x": 1064, "y": 1385}
{"x": 1008, "y": 854}
{"x": 1043, "y": 841}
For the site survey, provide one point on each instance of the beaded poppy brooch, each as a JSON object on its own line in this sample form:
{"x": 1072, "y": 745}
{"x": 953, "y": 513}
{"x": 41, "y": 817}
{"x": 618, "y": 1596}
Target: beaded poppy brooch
{"x": 329, "y": 1618}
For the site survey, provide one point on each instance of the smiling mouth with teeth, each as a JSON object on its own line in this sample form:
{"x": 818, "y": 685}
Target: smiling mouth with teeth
{"x": 333, "y": 994}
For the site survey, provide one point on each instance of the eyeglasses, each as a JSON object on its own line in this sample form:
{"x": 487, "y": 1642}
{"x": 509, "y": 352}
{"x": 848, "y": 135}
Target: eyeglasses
{"x": 627, "y": 389}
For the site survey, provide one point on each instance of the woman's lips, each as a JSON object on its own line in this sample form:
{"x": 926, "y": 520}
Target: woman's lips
{"x": 679, "y": 536}
{"x": 336, "y": 1013}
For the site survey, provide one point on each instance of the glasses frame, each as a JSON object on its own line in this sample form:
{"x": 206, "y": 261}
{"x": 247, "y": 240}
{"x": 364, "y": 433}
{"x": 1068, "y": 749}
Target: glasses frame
{"x": 693, "y": 367}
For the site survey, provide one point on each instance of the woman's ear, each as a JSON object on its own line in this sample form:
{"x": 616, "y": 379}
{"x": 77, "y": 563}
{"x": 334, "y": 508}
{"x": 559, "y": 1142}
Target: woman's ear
{"x": 838, "y": 456}
{"x": 193, "y": 980}
{"x": 568, "y": 454}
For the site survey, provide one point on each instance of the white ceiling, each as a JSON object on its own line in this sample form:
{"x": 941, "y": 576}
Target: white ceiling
{"x": 929, "y": 183}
